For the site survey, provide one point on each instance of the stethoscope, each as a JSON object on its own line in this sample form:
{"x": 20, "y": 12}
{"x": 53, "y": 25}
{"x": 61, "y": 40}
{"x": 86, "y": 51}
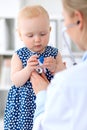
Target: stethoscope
{"x": 63, "y": 32}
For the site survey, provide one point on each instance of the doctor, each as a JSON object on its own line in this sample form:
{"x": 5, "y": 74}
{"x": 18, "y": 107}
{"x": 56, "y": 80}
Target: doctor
{"x": 62, "y": 104}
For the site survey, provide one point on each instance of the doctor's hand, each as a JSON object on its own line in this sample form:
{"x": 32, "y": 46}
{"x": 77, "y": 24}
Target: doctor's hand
{"x": 39, "y": 82}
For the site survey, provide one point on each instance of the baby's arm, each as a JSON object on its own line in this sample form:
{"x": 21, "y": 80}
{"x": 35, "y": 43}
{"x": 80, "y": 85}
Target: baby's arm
{"x": 60, "y": 65}
{"x": 20, "y": 75}
{"x": 54, "y": 64}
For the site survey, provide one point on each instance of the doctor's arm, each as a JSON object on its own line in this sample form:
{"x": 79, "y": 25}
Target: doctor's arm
{"x": 40, "y": 91}
{"x": 55, "y": 112}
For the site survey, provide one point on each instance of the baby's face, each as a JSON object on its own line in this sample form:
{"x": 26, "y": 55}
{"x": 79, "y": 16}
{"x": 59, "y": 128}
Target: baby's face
{"x": 35, "y": 33}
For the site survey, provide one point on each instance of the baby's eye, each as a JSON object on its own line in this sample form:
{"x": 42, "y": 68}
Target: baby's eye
{"x": 30, "y": 35}
{"x": 43, "y": 34}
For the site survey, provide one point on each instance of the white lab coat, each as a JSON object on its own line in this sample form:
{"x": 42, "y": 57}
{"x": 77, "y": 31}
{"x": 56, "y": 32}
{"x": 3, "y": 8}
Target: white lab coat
{"x": 66, "y": 104}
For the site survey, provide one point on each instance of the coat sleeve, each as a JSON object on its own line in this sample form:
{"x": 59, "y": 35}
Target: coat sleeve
{"x": 40, "y": 103}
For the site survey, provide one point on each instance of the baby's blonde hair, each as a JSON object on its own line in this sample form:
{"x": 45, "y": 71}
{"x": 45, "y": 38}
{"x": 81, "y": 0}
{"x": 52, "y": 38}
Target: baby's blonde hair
{"x": 31, "y": 12}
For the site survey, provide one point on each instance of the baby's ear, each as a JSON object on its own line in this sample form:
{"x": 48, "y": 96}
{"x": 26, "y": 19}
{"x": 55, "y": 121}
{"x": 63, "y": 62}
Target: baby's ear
{"x": 19, "y": 33}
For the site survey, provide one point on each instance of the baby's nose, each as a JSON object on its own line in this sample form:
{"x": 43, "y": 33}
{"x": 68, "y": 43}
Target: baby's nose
{"x": 37, "y": 38}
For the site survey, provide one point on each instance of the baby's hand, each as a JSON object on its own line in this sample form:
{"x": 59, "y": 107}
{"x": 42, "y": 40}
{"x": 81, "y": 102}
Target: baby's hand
{"x": 32, "y": 63}
{"x": 50, "y": 63}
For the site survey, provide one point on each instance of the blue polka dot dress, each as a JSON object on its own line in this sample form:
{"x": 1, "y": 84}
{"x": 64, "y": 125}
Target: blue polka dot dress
{"x": 20, "y": 106}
